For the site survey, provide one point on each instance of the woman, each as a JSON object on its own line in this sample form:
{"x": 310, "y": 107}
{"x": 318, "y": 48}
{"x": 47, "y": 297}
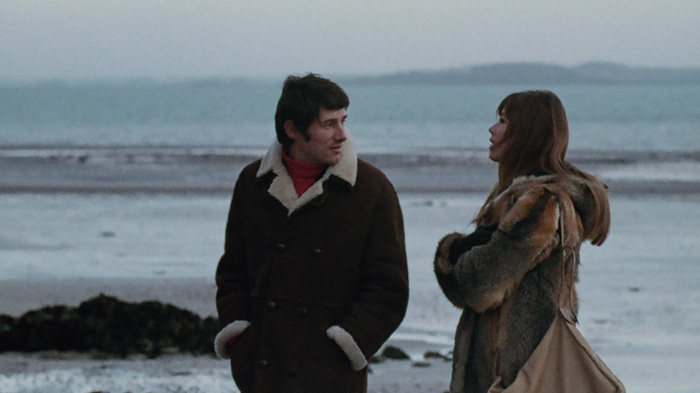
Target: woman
{"x": 507, "y": 275}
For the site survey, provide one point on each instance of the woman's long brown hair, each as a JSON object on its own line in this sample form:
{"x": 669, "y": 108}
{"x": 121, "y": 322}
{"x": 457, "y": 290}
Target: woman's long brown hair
{"x": 536, "y": 139}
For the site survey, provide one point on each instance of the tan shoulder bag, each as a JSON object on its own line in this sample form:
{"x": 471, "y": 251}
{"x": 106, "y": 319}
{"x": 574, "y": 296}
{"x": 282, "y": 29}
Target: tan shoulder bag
{"x": 563, "y": 362}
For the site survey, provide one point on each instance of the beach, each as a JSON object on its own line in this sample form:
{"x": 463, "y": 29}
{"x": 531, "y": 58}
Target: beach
{"x": 640, "y": 292}
{"x": 54, "y": 373}
{"x": 123, "y": 189}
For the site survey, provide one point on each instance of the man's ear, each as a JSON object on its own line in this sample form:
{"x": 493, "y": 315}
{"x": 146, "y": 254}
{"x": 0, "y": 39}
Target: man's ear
{"x": 292, "y": 130}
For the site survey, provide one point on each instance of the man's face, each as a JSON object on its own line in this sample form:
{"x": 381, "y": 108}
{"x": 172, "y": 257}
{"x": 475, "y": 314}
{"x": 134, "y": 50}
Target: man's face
{"x": 325, "y": 138}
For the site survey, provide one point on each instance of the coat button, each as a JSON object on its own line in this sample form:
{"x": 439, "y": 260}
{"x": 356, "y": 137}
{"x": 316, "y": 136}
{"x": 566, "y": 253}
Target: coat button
{"x": 280, "y": 247}
{"x": 271, "y": 305}
{"x": 263, "y": 365}
{"x": 303, "y": 311}
{"x": 316, "y": 252}
{"x": 293, "y": 373}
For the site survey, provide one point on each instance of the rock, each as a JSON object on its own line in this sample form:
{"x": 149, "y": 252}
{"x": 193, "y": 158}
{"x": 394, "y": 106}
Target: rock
{"x": 420, "y": 364}
{"x": 395, "y": 353}
{"x": 437, "y": 355}
{"x": 108, "y": 325}
{"x": 6, "y": 323}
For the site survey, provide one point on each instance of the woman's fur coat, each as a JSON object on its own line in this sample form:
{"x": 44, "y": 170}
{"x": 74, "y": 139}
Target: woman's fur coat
{"x": 508, "y": 287}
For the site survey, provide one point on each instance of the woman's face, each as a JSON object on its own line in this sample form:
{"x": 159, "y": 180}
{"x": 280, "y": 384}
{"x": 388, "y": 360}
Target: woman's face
{"x": 497, "y": 139}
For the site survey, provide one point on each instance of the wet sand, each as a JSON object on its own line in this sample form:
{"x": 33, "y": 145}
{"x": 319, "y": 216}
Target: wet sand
{"x": 151, "y": 228}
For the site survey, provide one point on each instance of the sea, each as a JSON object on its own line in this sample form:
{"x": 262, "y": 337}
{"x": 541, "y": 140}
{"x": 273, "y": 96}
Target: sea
{"x": 185, "y": 128}
{"x": 235, "y": 113}
{"x": 126, "y": 184}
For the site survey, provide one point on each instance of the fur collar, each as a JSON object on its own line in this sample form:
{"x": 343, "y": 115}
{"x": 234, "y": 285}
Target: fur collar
{"x": 282, "y": 187}
{"x": 576, "y": 189}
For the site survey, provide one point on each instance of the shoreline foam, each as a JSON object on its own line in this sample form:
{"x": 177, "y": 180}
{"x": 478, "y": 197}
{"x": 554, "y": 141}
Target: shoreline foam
{"x": 203, "y": 170}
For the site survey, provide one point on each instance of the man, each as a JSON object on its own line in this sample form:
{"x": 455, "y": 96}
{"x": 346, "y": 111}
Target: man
{"x": 313, "y": 279}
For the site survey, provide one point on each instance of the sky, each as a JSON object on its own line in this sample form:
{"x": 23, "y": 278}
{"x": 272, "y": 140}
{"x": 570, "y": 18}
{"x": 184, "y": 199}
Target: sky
{"x": 176, "y": 39}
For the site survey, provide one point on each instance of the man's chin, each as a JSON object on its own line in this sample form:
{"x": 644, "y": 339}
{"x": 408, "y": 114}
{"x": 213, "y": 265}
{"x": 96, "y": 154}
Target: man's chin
{"x": 336, "y": 159}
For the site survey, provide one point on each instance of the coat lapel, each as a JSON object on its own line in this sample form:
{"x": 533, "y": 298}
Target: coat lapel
{"x": 282, "y": 187}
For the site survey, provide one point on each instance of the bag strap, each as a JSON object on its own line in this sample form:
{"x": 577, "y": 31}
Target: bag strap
{"x": 566, "y": 292}
{"x": 568, "y": 254}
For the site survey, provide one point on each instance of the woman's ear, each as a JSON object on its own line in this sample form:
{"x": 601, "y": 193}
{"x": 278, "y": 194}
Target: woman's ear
{"x": 291, "y": 130}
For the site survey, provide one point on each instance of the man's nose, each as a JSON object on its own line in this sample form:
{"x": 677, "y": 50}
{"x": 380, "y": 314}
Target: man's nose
{"x": 341, "y": 133}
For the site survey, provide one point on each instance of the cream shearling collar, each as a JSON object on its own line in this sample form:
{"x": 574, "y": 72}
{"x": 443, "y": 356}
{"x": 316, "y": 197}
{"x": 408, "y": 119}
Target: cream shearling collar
{"x": 282, "y": 187}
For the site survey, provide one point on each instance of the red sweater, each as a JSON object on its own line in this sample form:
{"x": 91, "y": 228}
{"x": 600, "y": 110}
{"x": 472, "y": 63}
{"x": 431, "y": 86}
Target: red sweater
{"x": 303, "y": 175}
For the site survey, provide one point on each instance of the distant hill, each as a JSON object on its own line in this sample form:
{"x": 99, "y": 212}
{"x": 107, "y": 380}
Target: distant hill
{"x": 509, "y": 73}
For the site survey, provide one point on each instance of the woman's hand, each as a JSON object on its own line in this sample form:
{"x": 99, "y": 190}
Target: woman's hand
{"x": 480, "y": 236}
